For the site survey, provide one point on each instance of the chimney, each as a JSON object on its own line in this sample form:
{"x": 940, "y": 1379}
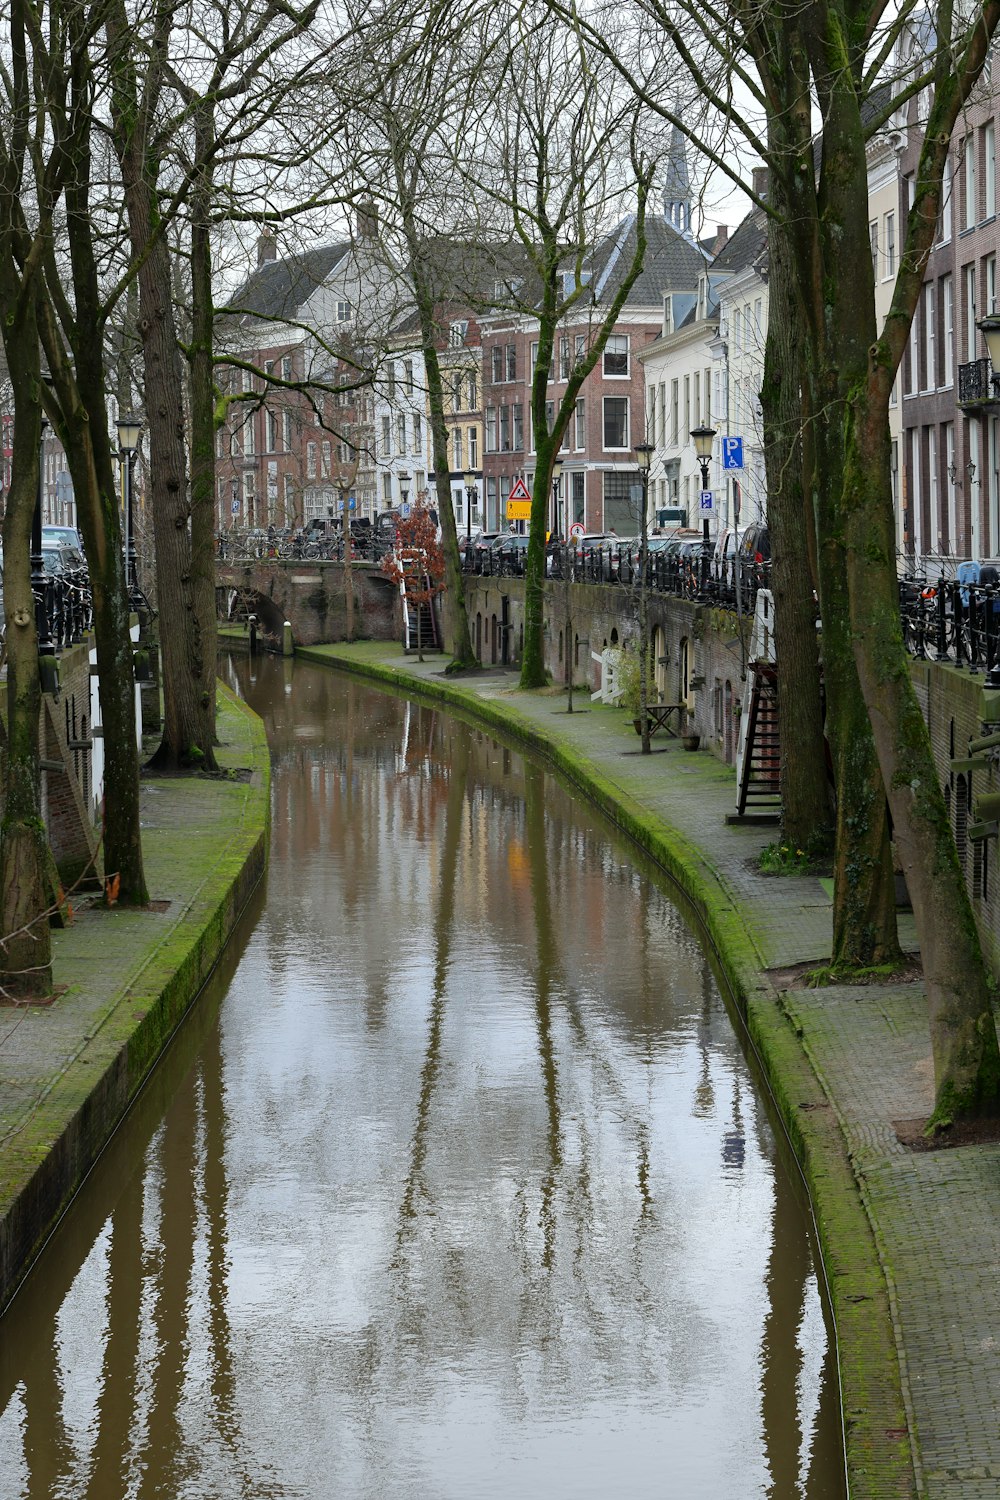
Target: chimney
{"x": 721, "y": 237}
{"x": 760, "y": 181}
{"x": 267, "y": 248}
{"x": 367, "y": 221}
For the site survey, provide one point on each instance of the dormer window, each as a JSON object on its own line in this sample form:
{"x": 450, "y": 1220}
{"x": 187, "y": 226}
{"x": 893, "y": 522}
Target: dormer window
{"x": 668, "y": 315}
{"x": 457, "y": 334}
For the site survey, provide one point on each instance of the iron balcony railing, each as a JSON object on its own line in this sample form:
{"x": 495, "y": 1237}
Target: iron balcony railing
{"x": 977, "y": 383}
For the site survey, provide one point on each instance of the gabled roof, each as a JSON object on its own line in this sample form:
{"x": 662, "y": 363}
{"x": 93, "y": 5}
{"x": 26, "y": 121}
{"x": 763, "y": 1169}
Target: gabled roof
{"x": 746, "y": 248}
{"x": 279, "y": 288}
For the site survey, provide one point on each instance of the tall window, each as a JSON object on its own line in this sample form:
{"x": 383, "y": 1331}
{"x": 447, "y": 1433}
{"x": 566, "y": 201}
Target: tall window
{"x": 401, "y": 433}
{"x": 324, "y": 458}
{"x": 873, "y": 240}
{"x": 969, "y": 204}
{"x": 947, "y": 193}
{"x": 511, "y": 362}
{"x": 496, "y": 363}
{"x": 473, "y": 448}
{"x": 990, "y": 280}
{"x": 286, "y": 431}
{"x": 889, "y": 245}
{"x": 674, "y": 414}
{"x": 456, "y": 391}
{"x": 386, "y": 438}
{"x": 504, "y": 428}
{"x": 989, "y": 170}
{"x": 517, "y": 426}
{"x": 616, "y": 355}
{"x": 310, "y": 460}
{"x": 408, "y": 376}
{"x": 930, "y": 365}
{"x": 579, "y": 425}
{"x": 418, "y": 433}
{"x": 456, "y": 444}
{"x": 472, "y": 393}
{"x": 286, "y": 367}
{"x": 491, "y": 429}
{"x": 249, "y": 440}
{"x": 948, "y": 330}
{"x": 564, "y": 359}
{"x": 616, "y": 421}
{"x": 270, "y": 431}
{"x": 970, "y": 312}
{"x": 391, "y": 380}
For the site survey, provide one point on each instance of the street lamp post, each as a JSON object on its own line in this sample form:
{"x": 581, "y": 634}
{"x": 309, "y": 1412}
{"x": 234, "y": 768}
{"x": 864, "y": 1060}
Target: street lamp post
{"x": 404, "y": 488}
{"x": 644, "y": 457}
{"x": 129, "y": 432}
{"x": 556, "y": 483}
{"x": 471, "y": 497}
{"x": 703, "y": 440}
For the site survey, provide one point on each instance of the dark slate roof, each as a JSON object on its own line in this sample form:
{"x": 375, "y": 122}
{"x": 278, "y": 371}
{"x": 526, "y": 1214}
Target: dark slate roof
{"x": 746, "y": 247}
{"x": 672, "y": 262}
{"x": 278, "y": 288}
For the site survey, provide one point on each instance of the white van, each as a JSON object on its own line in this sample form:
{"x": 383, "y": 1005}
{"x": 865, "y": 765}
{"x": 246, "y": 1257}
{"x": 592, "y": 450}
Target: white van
{"x": 726, "y": 547}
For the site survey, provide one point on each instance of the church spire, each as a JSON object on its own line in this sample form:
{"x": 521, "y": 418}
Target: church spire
{"x": 677, "y": 186}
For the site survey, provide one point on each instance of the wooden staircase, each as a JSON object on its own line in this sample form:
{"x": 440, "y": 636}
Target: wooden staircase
{"x": 758, "y": 755}
{"x": 420, "y": 623}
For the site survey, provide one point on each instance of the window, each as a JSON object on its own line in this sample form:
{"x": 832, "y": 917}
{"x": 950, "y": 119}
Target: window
{"x": 517, "y": 426}
{"x": 401, "y": 433}
{"x": 418, "y": 433}
{"x": 386, "y": 438}
{"x": 736, "y": 328}
{"x": 270, "y": 431}
{"x": 534, "y": 357}
{"x": 456, "y": 392}
{"x": 456, "y": 444}
{"x": 564, "y": 359}
{"x": 504, "y": 429}
{"x": 472, "y": 393}
{"x": 969, "y": 182}
{"x": 408, "y": 376}
{"x": 970, "y": 312}
{"x": 473, "y": 448}
{"x": 511, "y": 362}
{"x": 616, "y": 355}
{"x": 948, "y": 330}
{"x": 616, "y": 421}
{"x": 873, "y": 241}
{"x": 496, "y": 356}
{"x": 456, "y": 334}
{"x": 674, "y": 413}
{"x": 387, "y": 488}
{"x": 947, "y": 185}
{"x": 286, "y": 431}
{"x": 990, "y": 268}
{"x": 310, "y": 460}
{"x": 930, "y": 366}
{"x": 249, "y": 441}
{"x": 758, "y": 317}
{"x": 491, "y": 429}
{"x": 889, "y": 246}
{"x": 286, "y": 367}
{"x": 289, "y": 496}
{"x": 580, "y": 425}
{"x": 697, "y": 398}
{"x": 343, "y": 311}
{"x": 989, "y": 170}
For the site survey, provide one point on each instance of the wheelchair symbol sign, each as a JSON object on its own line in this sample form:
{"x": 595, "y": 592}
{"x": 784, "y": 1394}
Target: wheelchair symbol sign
{"x": 732, "y": 453}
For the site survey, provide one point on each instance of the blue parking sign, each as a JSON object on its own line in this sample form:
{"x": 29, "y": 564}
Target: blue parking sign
{"x": 707, "y": 500}
{"x": 732, "y": 453}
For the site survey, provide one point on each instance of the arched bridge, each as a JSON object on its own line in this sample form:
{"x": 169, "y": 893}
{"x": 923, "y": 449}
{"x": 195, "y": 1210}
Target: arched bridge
{"x": 311, "y": 596}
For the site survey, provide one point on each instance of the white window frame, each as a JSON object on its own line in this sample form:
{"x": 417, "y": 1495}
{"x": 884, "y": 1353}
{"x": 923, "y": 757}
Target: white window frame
{"x": 989, "y": 170}
{"x": 624, "y": 447}
{"x": 622, "y": 346}
{"x": 948, "y": 328}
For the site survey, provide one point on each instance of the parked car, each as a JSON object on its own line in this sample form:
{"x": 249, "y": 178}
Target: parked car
{"x": 727, "y": 545}
{"x": 67, "y": 535}
{"x": 478, "y": 548}
{"x": 755, "y": 552}
{"x": 58, "y": 559}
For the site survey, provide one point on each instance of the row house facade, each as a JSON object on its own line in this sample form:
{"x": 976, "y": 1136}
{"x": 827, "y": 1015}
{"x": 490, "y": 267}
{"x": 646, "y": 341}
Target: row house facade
{"x": 299, "y": 423}
{"x": 950, "y": 406}
{"x": 597, "y": 489}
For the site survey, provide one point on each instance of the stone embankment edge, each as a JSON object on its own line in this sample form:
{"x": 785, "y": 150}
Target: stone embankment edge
{"x": 879, "y": 1462}
{"x": 81, "y": 1111}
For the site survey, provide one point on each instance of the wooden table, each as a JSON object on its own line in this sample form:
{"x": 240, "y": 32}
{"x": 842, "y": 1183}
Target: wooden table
{"x": 660, "y": 715}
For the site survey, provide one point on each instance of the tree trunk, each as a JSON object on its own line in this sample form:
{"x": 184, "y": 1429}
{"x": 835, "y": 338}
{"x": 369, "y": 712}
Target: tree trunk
{"x": 26, "y": 955}
{"x": 188, "y": 733}
{"x": 807, "y": 820}
{"x": 963, "y": 1033}
{"x": 203, "y": 433}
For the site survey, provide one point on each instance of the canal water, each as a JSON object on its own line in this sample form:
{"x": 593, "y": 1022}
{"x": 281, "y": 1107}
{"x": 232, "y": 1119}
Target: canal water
{"x": 457, "y": 1185}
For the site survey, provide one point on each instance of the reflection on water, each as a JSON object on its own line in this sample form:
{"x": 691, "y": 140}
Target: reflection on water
{"x": 458, "y": 1185}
